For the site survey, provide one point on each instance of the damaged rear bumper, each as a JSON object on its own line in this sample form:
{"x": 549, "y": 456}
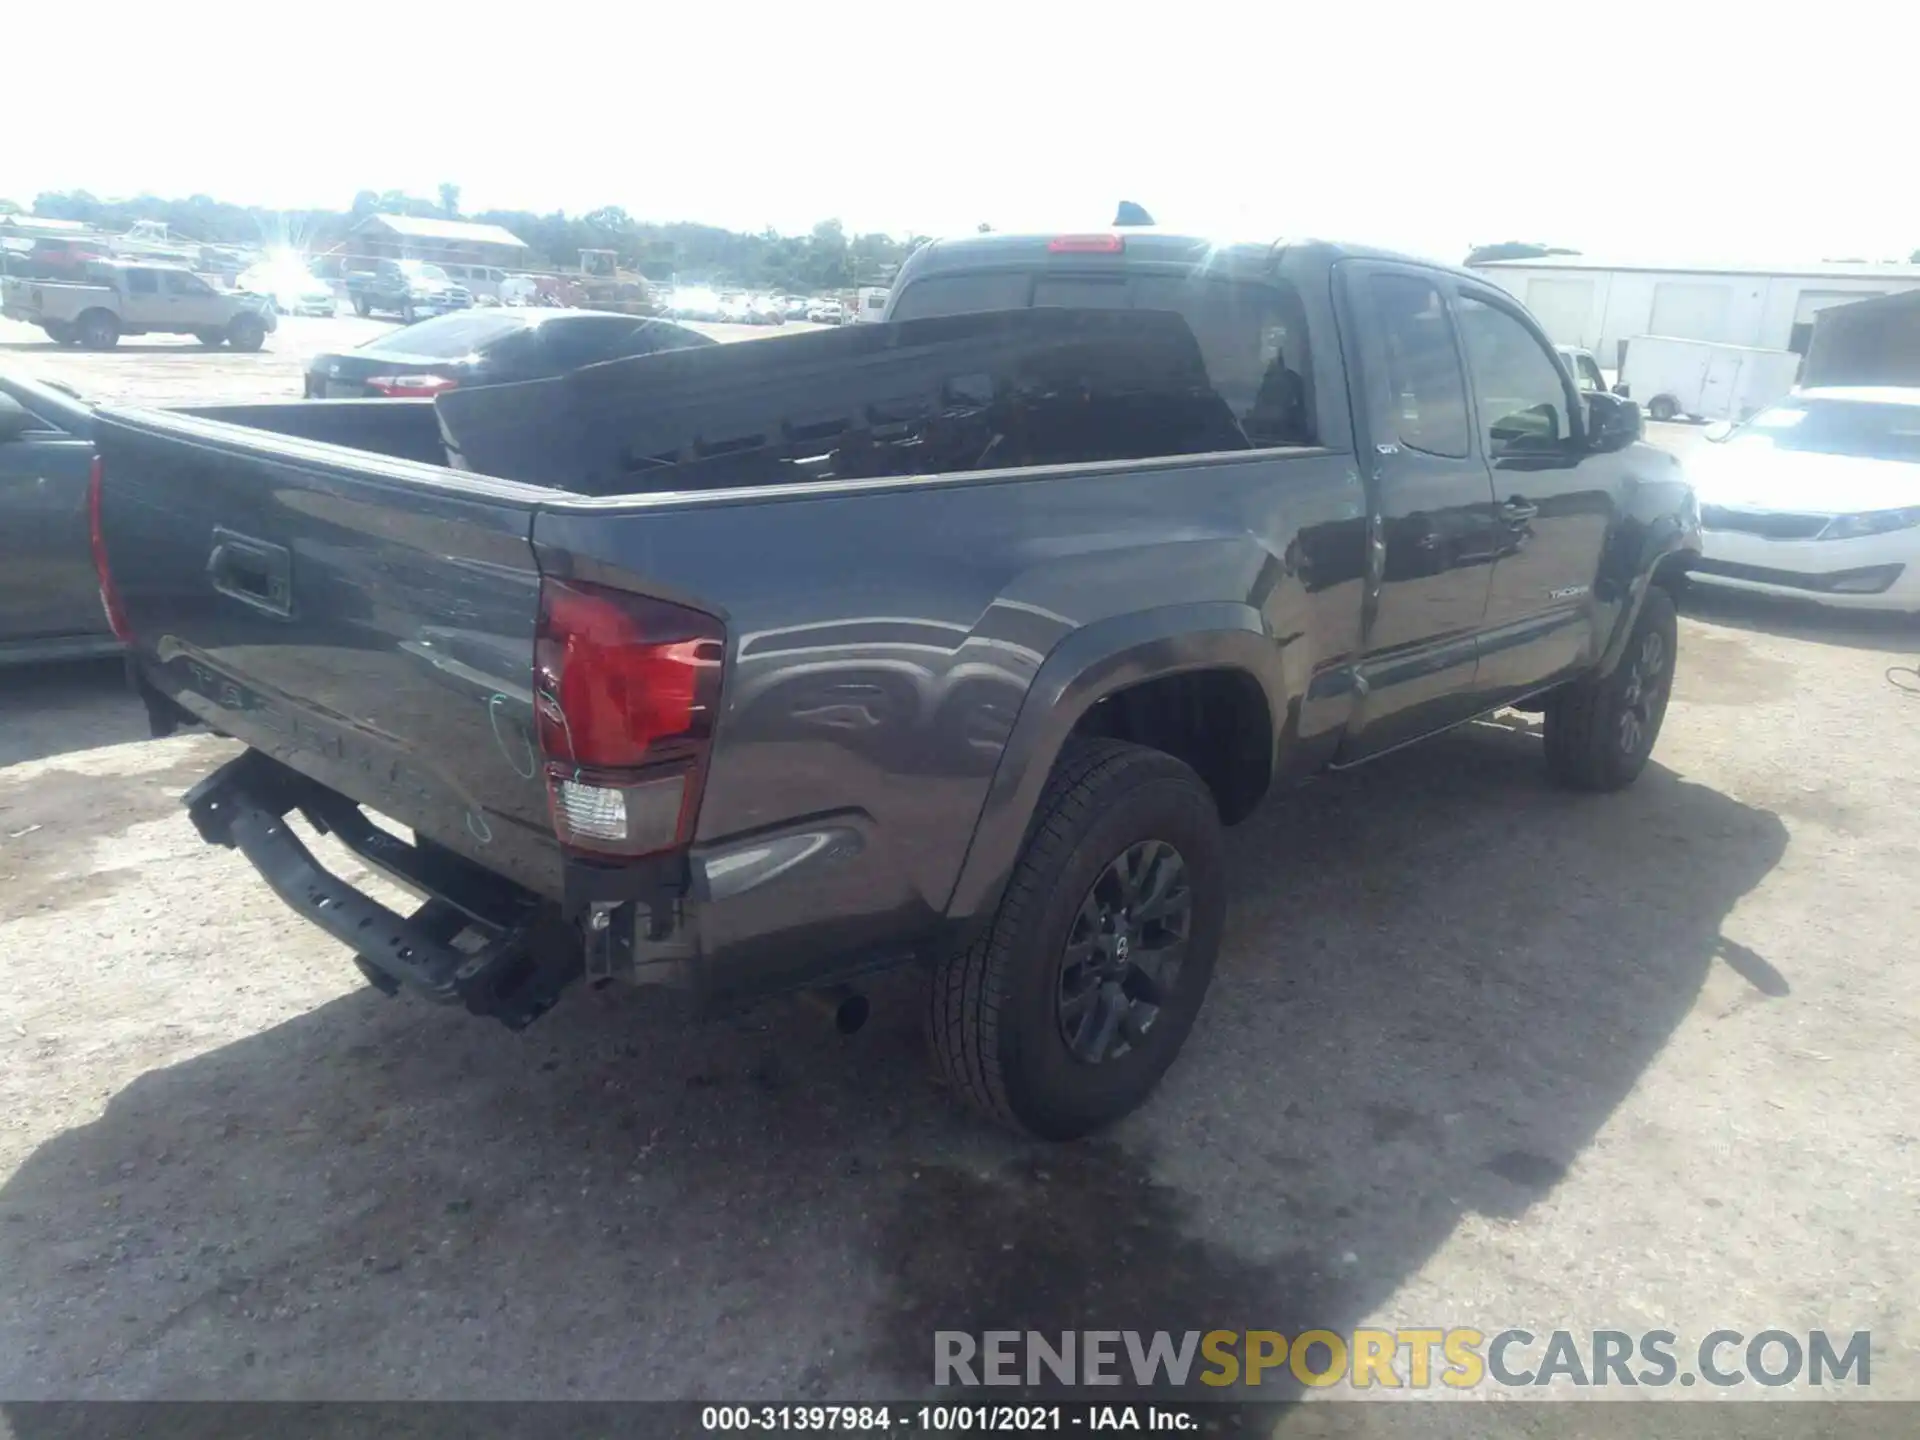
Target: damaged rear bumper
{"x": 477, "y": 940}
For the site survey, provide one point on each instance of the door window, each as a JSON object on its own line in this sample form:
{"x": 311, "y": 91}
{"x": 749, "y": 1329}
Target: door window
{"x": 142, "y": 282}
{"x": 180, "y": 283}
{"x": 1423, "y": 366}
{"x": 1522, "y": 391}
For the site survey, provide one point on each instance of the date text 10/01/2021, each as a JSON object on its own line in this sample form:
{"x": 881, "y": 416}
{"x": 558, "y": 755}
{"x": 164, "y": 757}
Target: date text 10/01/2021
{"x": 942, "y": 1419}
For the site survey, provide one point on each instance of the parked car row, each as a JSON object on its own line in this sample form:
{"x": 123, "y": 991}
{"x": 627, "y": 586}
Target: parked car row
{"x": 737, "y": 308}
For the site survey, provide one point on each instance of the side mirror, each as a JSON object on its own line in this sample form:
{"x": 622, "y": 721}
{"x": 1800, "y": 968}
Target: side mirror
{"x": 1719, "y": 430}
{"x": 1621, "y": 390}
{"x": 1613, "y": 423}
{"x": 15, "y": 420}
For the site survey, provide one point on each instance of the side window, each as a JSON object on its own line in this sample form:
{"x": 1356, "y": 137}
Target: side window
{"x": 1423, "y": 366}
{"x": 649, "y": 338}
{"x": 573, "y": 343}
{"x": 1590, "y": 377}
{"x": 1522, "y": 392}
{"x": 142, "y": 282}
{"x": 180, "y": 283}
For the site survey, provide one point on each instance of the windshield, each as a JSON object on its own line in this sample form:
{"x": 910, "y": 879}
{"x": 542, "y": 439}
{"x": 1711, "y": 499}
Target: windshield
{"x": 422, "y": 271}
{"x": 448, "y": 337}
{"x": 1862, "y": 428}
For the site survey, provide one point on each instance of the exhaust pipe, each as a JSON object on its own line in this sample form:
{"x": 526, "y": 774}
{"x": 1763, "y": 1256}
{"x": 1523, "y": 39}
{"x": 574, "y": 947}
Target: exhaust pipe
{"x": 842, "y": 1004}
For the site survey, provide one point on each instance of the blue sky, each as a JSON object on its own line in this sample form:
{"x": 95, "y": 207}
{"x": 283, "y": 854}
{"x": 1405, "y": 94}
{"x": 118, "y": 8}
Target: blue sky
{"x": 1676, "y": 132}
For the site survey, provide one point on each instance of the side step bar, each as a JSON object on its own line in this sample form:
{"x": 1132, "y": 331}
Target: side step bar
{"x": 473, "y": 943}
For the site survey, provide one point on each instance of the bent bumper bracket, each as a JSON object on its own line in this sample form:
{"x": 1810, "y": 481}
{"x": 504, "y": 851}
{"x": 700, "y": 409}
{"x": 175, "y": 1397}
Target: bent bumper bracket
{"x": 453, "y": 950}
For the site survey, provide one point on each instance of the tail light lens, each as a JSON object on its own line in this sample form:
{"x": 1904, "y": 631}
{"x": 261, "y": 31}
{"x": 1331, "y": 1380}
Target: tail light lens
{"x": 109, "y": 596}
{"x": 625, "y": 693}
{"x": 412, "y": 385}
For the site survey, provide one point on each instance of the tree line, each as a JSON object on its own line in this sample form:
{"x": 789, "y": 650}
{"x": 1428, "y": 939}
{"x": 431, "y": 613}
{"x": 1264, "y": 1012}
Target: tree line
{"x": 825, "y": 258}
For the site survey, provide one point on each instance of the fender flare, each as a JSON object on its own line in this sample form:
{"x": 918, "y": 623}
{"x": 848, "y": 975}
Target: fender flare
{"x": 1086, "y": 667}
{"x": 1669, "y": 536}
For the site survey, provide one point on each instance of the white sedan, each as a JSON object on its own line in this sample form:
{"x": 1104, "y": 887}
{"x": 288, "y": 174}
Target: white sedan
{"x": 1817, "y": 497}
{"x": 293, "y": 288}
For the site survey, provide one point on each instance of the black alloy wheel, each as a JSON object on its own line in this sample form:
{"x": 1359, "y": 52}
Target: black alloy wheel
{"x": 1124, "y": 952}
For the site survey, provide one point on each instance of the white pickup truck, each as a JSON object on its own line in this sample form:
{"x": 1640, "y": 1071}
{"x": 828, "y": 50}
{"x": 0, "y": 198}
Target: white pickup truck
{"x": 118, "y": 298}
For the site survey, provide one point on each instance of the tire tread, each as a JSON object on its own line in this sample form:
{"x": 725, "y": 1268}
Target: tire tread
{"x": 1579, "y": 739}
{"x": 970, "y": 987}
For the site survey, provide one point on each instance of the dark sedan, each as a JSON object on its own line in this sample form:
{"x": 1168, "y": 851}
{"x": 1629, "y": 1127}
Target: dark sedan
{"x": 49, "y": 596}
{"x": 489, "y": 347}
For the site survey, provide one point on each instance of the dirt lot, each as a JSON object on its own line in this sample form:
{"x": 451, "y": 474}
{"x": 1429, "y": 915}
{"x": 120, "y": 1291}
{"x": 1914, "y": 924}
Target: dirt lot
{"x": 1478, "y": 1053}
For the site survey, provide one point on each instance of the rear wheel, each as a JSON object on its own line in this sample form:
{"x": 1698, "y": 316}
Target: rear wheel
{"x": 98, "y": 330}
{"x": 1662, "y": 408}
{"x": 247, "y": 332}
{"x": 406, "y": 312}
{"x": 1065, "y": 1014}
{"x": 360, "y": 306}
{"x": 1600, "y": 732}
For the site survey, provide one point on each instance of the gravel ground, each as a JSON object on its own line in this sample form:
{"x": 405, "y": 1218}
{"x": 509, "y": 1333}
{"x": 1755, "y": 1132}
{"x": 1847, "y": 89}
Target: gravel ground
{"x": 1477, "y": 1053}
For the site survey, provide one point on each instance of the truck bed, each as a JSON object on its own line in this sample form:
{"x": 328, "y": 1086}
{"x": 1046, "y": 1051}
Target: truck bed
{"x": 37, "y": 300}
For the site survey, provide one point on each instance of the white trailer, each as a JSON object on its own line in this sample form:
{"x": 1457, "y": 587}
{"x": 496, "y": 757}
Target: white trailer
{"x": 1671, "y": 377}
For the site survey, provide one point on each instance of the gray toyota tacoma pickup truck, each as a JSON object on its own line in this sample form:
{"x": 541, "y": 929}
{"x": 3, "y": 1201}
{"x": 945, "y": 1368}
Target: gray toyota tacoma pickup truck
{"x": 956, "y": 639}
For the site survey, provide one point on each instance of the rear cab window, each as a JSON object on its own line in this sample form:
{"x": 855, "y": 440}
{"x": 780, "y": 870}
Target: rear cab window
{"x": 1251, "y": 333}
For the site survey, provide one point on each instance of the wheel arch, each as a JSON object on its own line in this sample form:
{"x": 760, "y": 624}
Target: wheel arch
{"x": 1662, "y": 551}
{"x": 1185, "y": 653}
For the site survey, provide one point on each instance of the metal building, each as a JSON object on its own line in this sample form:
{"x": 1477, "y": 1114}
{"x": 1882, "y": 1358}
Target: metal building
{"x": 412, "y": 237}
{"x": 1600, "y": 307}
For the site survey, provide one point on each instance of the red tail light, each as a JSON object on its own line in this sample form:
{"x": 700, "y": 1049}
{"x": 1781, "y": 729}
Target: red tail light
{"x": 625, "y": 693}
{"x": 109, "y": 596}
{"x": 412, "y": 385}
{"x": 1087, "y": 244}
